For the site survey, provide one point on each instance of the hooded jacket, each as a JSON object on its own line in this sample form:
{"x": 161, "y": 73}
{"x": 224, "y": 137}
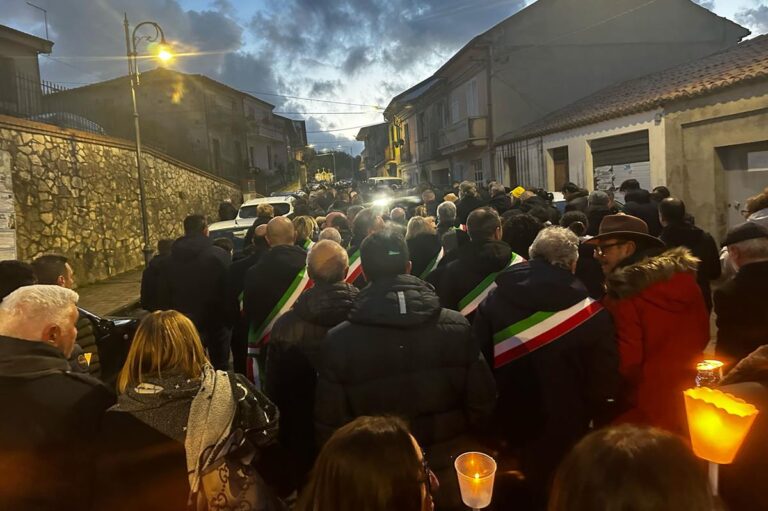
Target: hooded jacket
{"x": 662, "y": 327}
{"x": 640, "y": 205}
{"x": 290, "y": 376}
{"x": 702, "y": 247}
{"x": 423, "y": 249}
{"x": 196, "y": 280}
{"x": 400, "y": 353}
{"x": 741, "y": 305}
{"x": 548, "y": 397}
{"x": 46, "y": 437}
{"x": 466, "y": 268}
{"x": 151, "y": 278}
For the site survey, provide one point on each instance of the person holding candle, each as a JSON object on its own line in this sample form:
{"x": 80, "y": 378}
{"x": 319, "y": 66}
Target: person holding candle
{"x": 372, "y": 463}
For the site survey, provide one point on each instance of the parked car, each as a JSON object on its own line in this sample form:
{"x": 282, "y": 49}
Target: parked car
{"x": 233, "y": 231}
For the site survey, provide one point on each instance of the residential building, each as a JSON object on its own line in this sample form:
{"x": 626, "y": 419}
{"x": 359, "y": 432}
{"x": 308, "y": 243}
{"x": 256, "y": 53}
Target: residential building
{"x": 375, "y": 158}
{"x": 701, "y": 129}
{"x": 20, "y": 91}
{"x": 197, "y": 120}
{"x": 537, "y": 61}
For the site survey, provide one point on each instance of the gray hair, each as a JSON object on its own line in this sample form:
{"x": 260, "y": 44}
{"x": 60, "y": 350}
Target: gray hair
{"x": 755, "y": 249}
{"x": 446, "y": 211}
{"x": 43, "y": 304}
{"x": 331, "y": 234}
{"x": 598, "y": 198}
{"x": 497, "y": 188}
{"x": 556, "y": 245}
{"x": 467, "y": 189}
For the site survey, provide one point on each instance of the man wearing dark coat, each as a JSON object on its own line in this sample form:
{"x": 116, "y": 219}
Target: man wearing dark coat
{"x": 195, "y": 280}
{"x": 551, "y": 385}
{"x": 53, "y": 414}
{"x": 741, "y": 303}
{"x": 465, "y": 270}
{"x": 152, "y": 275}
{"x": 267, "y": 282}
{"x": 400, "y": 353}
{"x": 290, "y": 378}
{"x": 469, "y": 200}
{"x": 679, "y": 232}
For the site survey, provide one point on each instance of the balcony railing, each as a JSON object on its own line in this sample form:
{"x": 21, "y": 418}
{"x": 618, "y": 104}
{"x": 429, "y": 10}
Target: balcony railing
{"x": 261, "y": 129}
{"x": 467, "y": 133}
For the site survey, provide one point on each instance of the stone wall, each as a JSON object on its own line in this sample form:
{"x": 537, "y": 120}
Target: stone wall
{"x": 77, "y": 194}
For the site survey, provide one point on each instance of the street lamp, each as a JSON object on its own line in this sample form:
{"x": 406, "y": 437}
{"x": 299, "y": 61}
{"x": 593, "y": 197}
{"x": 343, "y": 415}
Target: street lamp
{"x": 164, "y": 54}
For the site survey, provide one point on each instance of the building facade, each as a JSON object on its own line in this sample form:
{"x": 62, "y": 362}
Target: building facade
{"x": 535, "y": 62}
{"x": 20, "y": 91}
{"x": 198, "y": 120}
{"x": 375, "y": 158}
{"x": 701, "y": 129}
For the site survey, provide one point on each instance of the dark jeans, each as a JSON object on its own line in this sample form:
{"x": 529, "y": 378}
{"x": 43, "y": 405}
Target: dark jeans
{"x": 216, "y": 341}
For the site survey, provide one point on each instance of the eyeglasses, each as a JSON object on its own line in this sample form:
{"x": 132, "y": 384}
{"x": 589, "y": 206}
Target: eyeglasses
{"x": 430, "y": 479}
{"x": 600, "y": 249}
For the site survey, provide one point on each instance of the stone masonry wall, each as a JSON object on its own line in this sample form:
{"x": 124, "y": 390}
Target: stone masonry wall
{"x": 77, "y": 194}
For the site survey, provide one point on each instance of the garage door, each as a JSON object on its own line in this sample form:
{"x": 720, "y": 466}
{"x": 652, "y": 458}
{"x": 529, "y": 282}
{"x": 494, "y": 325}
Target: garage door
{"x": 619, "y": 158}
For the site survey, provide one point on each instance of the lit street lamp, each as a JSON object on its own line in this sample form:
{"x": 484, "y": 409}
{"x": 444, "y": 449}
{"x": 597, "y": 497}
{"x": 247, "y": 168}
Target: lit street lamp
{"x": 164, "y": 54}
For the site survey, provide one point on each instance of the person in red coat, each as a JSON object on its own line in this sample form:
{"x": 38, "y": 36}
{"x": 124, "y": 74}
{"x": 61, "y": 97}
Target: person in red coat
{"x": 661, "y": 320}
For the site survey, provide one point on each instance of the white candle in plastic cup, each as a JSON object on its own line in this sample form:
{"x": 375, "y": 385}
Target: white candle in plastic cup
{"x": 476, "y": 472}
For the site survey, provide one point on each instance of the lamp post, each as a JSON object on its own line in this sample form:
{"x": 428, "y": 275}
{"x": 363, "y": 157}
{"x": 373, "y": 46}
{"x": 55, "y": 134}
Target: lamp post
{"x": 131, "y": 41}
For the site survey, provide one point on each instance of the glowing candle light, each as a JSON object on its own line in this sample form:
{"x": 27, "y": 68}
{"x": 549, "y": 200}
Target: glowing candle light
{"x": 476, "y": 472}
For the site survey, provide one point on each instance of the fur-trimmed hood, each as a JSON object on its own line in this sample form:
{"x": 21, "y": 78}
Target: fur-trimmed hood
{"x": 642, "y": 272}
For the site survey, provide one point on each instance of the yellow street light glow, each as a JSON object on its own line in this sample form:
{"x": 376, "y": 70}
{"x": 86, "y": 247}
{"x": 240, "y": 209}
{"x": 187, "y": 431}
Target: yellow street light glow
{"x": 164, "y": 55}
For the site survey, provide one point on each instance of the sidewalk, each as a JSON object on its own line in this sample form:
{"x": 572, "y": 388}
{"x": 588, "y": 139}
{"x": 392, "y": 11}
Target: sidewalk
{"x": 111, "y": 295}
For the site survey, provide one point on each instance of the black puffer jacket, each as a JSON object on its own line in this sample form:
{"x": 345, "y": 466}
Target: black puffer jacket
{"x": 467, "y": 205}
{"x": 290, "y": 376}
{"x": 501, "y": 203}
{"x": 468, "y": 266}
{"x": 400, "y": 353}
{"x": 702, "y": 246}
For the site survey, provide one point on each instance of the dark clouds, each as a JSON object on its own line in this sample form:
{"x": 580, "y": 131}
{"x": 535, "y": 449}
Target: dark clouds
{"x": 756, "y": 19}
{"x": 90, "y": 42}
{"x": 324, "y": 87}
{"x": 396, "y": 33}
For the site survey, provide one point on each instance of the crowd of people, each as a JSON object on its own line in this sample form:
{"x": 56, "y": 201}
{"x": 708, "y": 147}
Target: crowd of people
{"x": 349, "y": 354}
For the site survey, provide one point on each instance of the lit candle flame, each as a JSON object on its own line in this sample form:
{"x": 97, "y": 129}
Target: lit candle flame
{"x": 477, "y": 476}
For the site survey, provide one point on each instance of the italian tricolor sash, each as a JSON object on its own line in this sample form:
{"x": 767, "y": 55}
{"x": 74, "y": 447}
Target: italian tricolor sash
{"x": 433, "y": 264}
{"x": 258, "y": 336}
{"x": 355, "y": 267}
{"x": 469, "y": 303}
{"x": 307, "y": 244}
{"x": 538, "y": 330}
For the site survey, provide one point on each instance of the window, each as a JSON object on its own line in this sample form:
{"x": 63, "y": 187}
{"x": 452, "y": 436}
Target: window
{"x": 421, "y": 127}
{"x": 511, "y": 165}
{"x": 238, "y": 154}
{"x": 216, "y": 155}
{"x": 477, "y": 170}
{"x": 455, "y": 114}
{"x": 473, "y": 109}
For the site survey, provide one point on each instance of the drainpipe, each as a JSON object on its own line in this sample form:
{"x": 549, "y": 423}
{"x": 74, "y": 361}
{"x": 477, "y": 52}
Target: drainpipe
{"x": 489, "y": 93}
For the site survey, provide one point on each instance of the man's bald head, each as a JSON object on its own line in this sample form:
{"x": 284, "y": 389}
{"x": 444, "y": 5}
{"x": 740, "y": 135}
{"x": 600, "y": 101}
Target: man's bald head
{"x": 280, "y": 232}
{"x": 327, "y": 262}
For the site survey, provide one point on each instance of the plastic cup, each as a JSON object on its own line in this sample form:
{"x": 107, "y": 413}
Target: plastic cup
{"x": 476, "y": 472}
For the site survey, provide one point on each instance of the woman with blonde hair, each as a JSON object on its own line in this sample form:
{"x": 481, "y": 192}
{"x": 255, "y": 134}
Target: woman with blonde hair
{"x": 423, "y": 245}
{"x": 306, "y": 231}
{"x": 173, "y": 417}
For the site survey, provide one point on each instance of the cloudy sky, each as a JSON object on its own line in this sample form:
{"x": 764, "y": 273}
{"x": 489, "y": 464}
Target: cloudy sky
{"x": 352, "y": 54}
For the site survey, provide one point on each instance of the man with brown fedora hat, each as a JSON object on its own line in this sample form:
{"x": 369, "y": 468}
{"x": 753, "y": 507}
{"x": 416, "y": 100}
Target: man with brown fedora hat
{"x": 661, "y": 320}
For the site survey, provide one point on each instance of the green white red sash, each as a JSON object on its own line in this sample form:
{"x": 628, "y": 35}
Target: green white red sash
{"x": 355, "y": 267}
{"x": 307, "y": 244}
{"x": 538, "y": 330}
{"x": 258, "y": 336}
{"x": 469, "y": 303}
{"x": 433, "y": 264}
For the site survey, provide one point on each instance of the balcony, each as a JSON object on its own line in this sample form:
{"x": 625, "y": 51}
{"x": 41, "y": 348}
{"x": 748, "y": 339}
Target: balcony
{"x": 466, "y": 134}
{"x": 264, "y": 130}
